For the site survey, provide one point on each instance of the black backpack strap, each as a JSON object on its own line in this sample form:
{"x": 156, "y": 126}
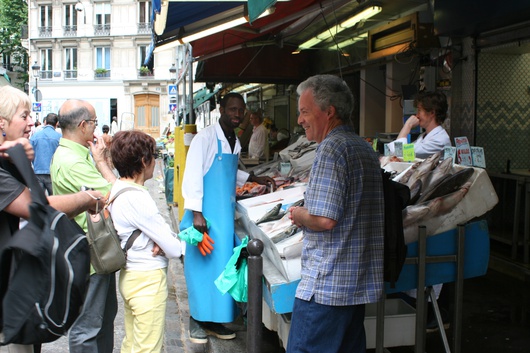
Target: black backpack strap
{"x": 20, "y": 160}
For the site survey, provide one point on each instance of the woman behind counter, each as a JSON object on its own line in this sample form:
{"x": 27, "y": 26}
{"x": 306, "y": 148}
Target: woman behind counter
{"x": 142, "y": 283}
{"x": 432, "y": 111}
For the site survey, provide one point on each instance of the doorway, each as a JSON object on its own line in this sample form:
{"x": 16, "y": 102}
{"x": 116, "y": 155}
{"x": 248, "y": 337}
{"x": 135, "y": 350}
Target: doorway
{"x": 147, "y": 113}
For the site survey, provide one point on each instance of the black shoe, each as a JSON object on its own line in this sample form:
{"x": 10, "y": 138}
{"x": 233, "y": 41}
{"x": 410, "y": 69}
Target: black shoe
{"x": 218, "y": 330}
{"x": 432, "y": 324}
{"x": 197, "y": 334}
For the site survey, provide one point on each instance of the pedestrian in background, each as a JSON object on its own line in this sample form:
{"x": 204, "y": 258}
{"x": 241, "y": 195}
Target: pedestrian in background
{"x": 258, "y": 141}
{"x": 79, "y": 163}
{"x": 107, "y": 138}
{"x": 114, "y": 126}
{"x": 209, "y": 187}
{"x": 143, "y": 281}
{"x": 343, "y": 223}
{"x": 45, "y": 142}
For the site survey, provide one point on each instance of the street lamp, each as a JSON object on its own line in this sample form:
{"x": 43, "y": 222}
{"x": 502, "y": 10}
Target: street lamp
{"x": 173, "y": 70}
{"x": 79, "y": 7}
{"x": 36, "y": 73}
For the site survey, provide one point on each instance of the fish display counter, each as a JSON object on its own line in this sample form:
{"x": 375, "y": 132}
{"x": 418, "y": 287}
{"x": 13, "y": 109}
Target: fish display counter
{"x": 443, "y": 195}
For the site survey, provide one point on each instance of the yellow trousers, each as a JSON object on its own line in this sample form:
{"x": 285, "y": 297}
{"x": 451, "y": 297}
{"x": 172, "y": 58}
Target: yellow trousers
{"x": 144, "y": 296}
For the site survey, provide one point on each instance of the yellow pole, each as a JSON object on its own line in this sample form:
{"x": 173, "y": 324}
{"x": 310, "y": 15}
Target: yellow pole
{"x": 183, "y": 136}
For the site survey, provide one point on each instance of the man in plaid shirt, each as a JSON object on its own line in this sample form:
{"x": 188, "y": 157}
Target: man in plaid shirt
{"x": 343, "y": 223}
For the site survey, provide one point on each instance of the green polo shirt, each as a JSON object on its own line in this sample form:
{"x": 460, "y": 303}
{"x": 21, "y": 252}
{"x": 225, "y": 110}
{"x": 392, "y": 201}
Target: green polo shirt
{"x": 72, "y": 167}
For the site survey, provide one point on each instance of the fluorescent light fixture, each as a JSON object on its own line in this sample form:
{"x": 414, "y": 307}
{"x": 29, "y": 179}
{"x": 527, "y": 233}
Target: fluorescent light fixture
{"x": 209, "y": 31}
{"x": 352, "y": 21}
{"x": 212, "y": 30}
{"x": 349, "y": 41}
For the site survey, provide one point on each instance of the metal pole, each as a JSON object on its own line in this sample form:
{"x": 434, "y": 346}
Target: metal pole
{"x": 255, "y": 290}
{"x": 421, "y": 303}
{"x": 190, "y": 97}
{"x": 459, "y": 289}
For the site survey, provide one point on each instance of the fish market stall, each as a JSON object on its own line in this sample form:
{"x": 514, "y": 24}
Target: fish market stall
{"x": 443, "y": 195}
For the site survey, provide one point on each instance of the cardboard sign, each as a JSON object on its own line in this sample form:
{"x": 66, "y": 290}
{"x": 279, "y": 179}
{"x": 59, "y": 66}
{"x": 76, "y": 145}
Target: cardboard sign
{"x": 408, "y": 152}
{"x": 463, "y": 151}
{"x": 477, "y": 154}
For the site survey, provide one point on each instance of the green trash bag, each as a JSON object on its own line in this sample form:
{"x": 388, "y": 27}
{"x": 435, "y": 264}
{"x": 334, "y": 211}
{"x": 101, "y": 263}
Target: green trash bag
{"x": 235, "y": 280}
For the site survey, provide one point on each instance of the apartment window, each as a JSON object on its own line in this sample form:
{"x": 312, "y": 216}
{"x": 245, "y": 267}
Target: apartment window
{"x": 102, "y": 62}
{"x": 102, "y": 24}
{"x": 144, "y": 14}
{"x": 70, "y": 20}
{"x": 46, "y": 68}
{"x": 142, "y": 54}
{"x": 45, "y": 21}
{"x": 145, "y": 69}
{"x": 70, "y": 59}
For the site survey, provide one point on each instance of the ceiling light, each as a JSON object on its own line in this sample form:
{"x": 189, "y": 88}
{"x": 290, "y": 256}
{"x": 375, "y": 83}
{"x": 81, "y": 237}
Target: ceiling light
{"x": 352, "y": 21}
{"x": 350, "y": 41}
{"x": 242, "y": 19}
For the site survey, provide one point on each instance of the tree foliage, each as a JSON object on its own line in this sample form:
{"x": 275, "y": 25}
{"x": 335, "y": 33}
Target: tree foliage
{"x": 13, "y": 22}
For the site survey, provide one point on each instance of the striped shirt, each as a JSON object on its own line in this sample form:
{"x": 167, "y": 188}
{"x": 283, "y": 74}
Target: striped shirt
{"x": 344, "y": 266}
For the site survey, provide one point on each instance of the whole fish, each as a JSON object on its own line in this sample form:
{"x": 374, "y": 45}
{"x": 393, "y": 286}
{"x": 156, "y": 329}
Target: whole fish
{"x": 415, "y": 192}
{"x": 436, "y": 208}
{"x": 443, "y": 170}
{"x": 406, "y": 176}
{"x": 448, "y": 185}
{"x": 289, "y": 232}
{"x": 297, "y": 203}
{"x": 441, "y": 205}
{"x": 272, "y": 215}
{"x": 424, "y": 168}
{"x": 414, "y": 213}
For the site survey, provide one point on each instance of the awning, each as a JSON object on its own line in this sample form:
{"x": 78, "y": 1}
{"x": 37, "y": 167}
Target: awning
{"x": 189, "y": 17}
{"x": 202, "y": 96}
{"x": 261, "y": 51}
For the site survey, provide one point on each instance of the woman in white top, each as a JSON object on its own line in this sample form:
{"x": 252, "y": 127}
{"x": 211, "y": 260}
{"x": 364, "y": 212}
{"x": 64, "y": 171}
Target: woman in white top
{"x": 142, "y": 283}
{"x": 432, "y": 111}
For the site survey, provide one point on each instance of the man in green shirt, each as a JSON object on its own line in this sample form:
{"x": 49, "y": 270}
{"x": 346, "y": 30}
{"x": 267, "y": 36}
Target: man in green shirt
{"x": 72, "y": 168}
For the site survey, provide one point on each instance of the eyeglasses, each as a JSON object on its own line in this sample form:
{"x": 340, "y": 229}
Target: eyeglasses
{"x": 95, "y": 121}
{"x": 155, "y": 155}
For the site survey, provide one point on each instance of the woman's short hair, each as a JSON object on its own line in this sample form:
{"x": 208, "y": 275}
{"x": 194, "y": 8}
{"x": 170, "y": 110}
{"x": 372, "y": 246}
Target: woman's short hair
{"x": 11, "y": 99}
{"x": 131, "y": 151}
{"x": 433, "y": 102}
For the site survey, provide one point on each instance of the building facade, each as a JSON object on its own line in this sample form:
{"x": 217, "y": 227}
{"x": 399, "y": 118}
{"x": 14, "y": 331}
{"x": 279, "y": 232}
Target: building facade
{"x": 96, "y": 51}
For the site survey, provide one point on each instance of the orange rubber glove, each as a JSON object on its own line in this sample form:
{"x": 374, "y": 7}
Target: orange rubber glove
{"x": 205, "y": 246}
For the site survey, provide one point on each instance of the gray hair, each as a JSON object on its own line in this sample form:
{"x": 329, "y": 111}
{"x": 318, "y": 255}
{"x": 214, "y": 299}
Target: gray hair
{"x": 330, "y": 90}
{"x": 69, "y": 119}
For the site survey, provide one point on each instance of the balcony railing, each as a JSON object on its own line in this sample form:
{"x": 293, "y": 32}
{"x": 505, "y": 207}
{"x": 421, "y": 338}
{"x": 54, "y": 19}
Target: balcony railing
{"x": 45, "y": 31}
{"x": 70, "y": 74}
{"x": 102, "y": 30}
{"x": 100, "y": 75}
{"x": 70, "y": 31}
{"x": 144, "y": 28}
{"x": 46, "y": 74}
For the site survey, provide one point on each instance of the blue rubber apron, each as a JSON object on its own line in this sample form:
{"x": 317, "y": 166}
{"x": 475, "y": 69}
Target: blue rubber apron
{"x": 206, "y": 303}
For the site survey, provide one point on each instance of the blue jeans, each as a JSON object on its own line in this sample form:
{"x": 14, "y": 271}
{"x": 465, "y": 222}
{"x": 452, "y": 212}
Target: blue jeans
{"x": 322, "y": 328}
{"x": 93, "y": 331}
